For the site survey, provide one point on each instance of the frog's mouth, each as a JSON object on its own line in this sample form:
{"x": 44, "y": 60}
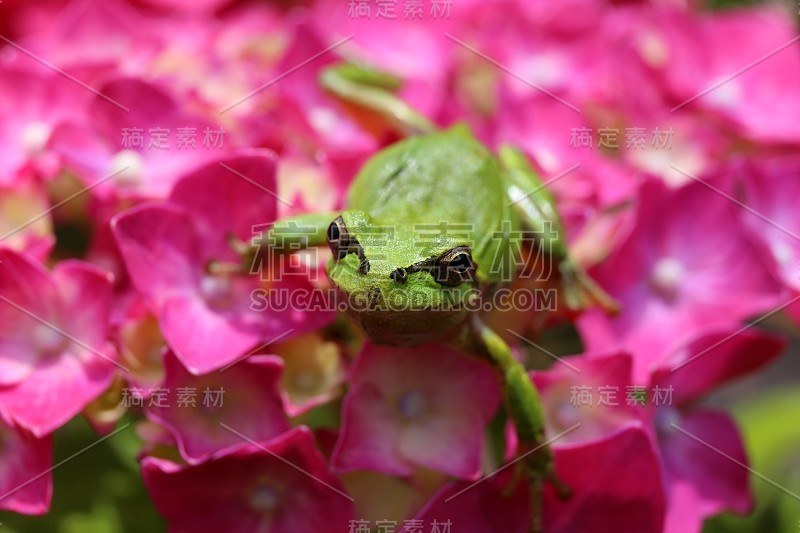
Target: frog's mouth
{"x": 408, "y": 327}
{"x": 398, "y": 300}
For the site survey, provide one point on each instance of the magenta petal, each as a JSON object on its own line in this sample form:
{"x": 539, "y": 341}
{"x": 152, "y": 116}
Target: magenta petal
{"x": 59, "y": 388}
{"x": 683, "y": 513}
{"x": 398, "y": 370}
{"x": 283, "y": 488}
{"x": 86, "y": 289}
{"x": 701, "y": 480}
{"x": 17, "y": 361}
{"x": 711, "y": 359}
{"x": 616, "y": 482}
{"x": 479, "y": 508}
{"x": 369, "y": 435}
{"x": 163, "y": 254}
{"x": 56, "y": 329}
{"x": 673, "y": 281}
{"x": 84, "y": 153}
{"x": 25, "y": 289}
{"x": 233, "y": 196}
{"x": 148, "y": 107}
{"x": 250, "y": 402}
{"x": 451, "y": 443}
{"x": 591, "y": 391}
{"x": 617, "y": 486}
{"x": 425, "y": 420}
{"x": 26, "y": 283}
{"x": 26, "y": 486}
{"x": 160, "y": 248}
{"x": 203, "y": 339}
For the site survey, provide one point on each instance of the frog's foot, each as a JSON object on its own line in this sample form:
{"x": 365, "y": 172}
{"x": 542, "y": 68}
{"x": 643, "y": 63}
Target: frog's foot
{"x": 562, "y": 489}
{"x": 582, "y": 292}
{"x": 532, "y": 473}
{"x": 535, "y": 461}
{"x": 370, "y": 98}
{"x": 529, "y": 469}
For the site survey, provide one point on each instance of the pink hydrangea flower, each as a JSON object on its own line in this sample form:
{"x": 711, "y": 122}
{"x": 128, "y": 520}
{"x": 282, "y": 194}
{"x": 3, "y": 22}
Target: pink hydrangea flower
{"x": 596, "y": 392}
{"x": 203, "y": 7}
{"x": 670, "y": 141}
{"x": 585, "y": 399}
{"x": 686, "y": 264}
{"x": 585, "y": 182}
{"x": 220, "y": 60}
{"x": 311, "y": 185}
{"x": 91, "y": 40}
{"x": 554, "y": 135}
{"x": 416, "y": 407}
{"x": 771, "y": 185}
{"x": 54, "y": 354}
{"x": 751, "y": 102}
{"x": 632, "y": 494}
{"x": 701, "y": 481}
{"x": 38, "y": 102}
{"x": 624, "y": 464}
{"x": 26, "y": 486}
{"x": 282, "y": 486}
{"x": 208, "y": 318}
{"x": 244, "y": 396}
{"x": 482, "y": 508}
{"x": 552, "y": 52}
{"x": 19, "y": 18}
{"x": 140, "y": 151}
{"x": 306, "y": 110}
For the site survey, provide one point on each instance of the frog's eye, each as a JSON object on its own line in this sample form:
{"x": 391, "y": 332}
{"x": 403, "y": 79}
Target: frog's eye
{"x": 341, "y": 243}
{"x": 455, "y": 267}
{"x": 338, "y": 238}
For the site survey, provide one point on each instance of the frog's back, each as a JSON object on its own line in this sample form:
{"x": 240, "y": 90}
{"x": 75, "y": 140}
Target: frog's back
{"x": 438, "y": 183}
{"x": 444, "y": 177}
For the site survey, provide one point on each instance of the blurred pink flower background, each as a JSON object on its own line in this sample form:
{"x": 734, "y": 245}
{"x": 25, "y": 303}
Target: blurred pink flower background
{"x": 141, "y": 140}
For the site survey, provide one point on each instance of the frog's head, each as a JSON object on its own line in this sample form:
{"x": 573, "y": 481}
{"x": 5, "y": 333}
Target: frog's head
{"x": 403, "y": 289}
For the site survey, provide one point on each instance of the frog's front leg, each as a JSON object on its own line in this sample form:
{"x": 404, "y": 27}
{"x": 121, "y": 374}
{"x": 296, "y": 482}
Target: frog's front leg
{"x": 540, "y": 216}
{"x": 524, "y": 408}
{"x": 285, "y": 236}
{"x": 369, "y": 96}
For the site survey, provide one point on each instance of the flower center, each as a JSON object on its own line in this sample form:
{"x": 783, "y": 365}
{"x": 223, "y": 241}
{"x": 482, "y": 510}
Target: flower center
{"x": 667, "y": 276}
{"x": 653, "y": 49}
{"x": 306, "y": 381}
{"x": 665, "y": 418}
{"x": 130, "y": 166}
{"x": 217, "y": 290}
{"x": 265, "y": 498}
{"x": 412, "y": 405}
{"x": 323, "y": 119}
{"x": 48, "y": 341}
{"x": 783, "y": 253}
{"x": 546, "y": 69}
{"x": 728, "y": 95}
{"x": 566, "y": 415}
{"x": 35, "y": 137}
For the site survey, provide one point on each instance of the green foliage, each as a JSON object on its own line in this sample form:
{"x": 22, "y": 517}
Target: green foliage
{"x": 772, "y": 437}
